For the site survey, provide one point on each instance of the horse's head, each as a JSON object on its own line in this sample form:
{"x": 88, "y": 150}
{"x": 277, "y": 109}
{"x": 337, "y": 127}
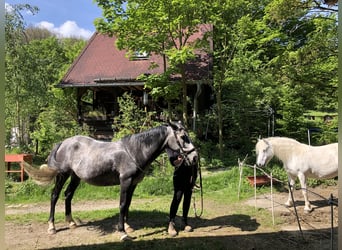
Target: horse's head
{"x": 264, "y": 152}
{"x": 179, "y": 141}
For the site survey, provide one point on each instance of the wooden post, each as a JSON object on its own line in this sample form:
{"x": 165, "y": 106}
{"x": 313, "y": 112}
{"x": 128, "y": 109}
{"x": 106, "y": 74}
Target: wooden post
{"x": 255, "y": 187}
{"x": 272, "y": 204}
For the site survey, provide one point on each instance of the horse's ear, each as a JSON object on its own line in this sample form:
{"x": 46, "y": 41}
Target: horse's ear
{"x": 259, "y": 138}
{"x": 176, "y": 125}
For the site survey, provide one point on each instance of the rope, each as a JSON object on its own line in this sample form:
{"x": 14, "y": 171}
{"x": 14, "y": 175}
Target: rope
{"x": 295, "y": 209}
{"x": 332, "y": 222}
{"x": 201, "y": 191}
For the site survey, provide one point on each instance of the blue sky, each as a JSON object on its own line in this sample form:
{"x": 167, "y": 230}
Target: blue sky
{"x": 63, "y": 17}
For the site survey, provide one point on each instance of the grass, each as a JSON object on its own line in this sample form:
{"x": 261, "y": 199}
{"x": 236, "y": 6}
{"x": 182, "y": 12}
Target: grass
{"x": 221, "y": 186}
{"x": 152, "y": 199}
{"x": 158, "y": 183}
{"x": 154, "y": 185}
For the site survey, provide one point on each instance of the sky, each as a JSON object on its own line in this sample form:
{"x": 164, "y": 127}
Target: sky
{"x": 66, "y": 18}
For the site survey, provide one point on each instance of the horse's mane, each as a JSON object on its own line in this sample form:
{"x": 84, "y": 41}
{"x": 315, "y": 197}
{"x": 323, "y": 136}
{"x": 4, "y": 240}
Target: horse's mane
{"x": 283, "y": 146}
{"x": 285, "y": 140}
{"x": 147, "y": 137}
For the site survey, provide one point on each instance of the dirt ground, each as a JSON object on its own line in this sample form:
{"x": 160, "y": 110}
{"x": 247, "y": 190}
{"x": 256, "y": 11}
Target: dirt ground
{"x": 217, "y": 224}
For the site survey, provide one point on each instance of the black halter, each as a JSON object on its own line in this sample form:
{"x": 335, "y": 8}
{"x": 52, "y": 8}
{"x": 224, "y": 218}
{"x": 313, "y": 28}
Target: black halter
{"x": 184, "y": 153}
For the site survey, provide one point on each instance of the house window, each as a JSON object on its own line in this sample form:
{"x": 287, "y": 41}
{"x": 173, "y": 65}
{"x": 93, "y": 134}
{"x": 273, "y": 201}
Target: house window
{"x": 140, "y": 55}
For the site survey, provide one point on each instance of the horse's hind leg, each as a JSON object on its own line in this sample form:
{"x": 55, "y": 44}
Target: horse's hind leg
{"x": 60, "y": 181}
{"x": 69, "y": 193}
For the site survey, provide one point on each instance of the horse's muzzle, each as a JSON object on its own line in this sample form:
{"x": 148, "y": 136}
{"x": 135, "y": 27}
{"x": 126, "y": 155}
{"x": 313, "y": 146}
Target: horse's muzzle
{"x": 195, "y": 160}
{"x": 191, "y": 157}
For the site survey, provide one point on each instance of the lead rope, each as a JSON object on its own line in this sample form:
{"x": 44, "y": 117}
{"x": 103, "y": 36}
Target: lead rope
{"x": 201, "y": 191}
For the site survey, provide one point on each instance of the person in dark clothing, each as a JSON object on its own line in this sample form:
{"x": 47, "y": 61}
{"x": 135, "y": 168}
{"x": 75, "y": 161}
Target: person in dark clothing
{"x": 184, "y": 178}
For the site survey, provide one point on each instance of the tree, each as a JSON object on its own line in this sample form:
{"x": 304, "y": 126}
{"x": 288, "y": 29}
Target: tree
{"x": 243, "y": 44}
{"x": 35, "y": 61}
{"x": 306, "y": 69}
{"x": 57, "y": 117}
{"x": 14, "y": 92}
{"x": 131, "y": 119}
{"x": 273, "y": 59}
{"x": 162, "y": 27}
{"x": 267, "y": 63}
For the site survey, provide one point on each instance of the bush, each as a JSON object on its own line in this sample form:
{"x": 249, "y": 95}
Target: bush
{"x": 131, "y": 119}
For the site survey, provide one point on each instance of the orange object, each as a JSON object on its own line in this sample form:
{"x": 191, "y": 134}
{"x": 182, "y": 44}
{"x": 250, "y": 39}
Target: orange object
{"x": 20, "y": 158}
{"x": 259, "y": 180}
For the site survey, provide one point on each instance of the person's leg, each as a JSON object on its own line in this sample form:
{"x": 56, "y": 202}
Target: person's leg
{"x": 186, "y": 207}
{"x": 177, "y": 197}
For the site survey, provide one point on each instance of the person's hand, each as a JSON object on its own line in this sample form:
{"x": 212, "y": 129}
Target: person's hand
{"x": 179, "y": 161}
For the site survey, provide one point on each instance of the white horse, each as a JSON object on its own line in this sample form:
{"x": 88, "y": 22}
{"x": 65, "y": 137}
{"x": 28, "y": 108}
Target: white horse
{"x": 299, "y": 160}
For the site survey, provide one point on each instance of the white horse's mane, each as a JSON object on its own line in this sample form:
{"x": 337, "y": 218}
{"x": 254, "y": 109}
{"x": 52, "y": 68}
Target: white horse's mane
{"x": 284, "y": 146}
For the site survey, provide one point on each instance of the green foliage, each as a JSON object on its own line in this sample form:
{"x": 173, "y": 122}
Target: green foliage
{"x": 210, "y": 157}
{"x": 157, "y": 184}
{"x": 160, "y": 27}
{"x": 131, "y": 119}
{"x": 216, "y": 182}
{"x": 35, "y": 61}
{"x": 268, "y": 55}
{"x": 24, "y": 192}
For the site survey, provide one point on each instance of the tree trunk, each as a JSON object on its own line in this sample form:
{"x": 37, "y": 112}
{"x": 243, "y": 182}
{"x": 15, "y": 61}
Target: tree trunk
{"x": 184, "y": 97}
{"x": 220, "y": 119}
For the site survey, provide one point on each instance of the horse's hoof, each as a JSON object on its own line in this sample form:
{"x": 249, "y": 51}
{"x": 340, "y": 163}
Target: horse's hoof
{"x": 72, "y": 225}
{"x": 288, "y": 205}
{"x": 308, "y": 210}
{"x": 51, "y": 231}
{"x": 128, "y": 228}
{"x": 172, "y": 230}
{"x": 126, "y": 237}
{"x": 188, "y": 229}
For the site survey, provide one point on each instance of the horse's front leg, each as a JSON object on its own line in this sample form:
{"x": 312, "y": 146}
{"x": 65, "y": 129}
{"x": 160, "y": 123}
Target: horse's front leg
{"x": 302, "y": 180}
{"x": 126, "y": 185}
{"x": 292, "y": 181}
{"x": 130, "y": 191}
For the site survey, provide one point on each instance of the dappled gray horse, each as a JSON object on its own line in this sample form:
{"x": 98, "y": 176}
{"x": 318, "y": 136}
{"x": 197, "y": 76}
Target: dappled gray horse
{"x": 123, "y": 162}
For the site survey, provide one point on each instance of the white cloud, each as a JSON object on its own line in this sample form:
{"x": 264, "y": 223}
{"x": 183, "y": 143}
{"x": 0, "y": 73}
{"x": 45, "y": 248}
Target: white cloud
{"x": 67, "y": 29}
{"x": 8, "y": 7}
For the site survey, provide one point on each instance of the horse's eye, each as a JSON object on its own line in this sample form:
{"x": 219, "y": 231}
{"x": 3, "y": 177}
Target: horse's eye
{"x": 185, "y": 138}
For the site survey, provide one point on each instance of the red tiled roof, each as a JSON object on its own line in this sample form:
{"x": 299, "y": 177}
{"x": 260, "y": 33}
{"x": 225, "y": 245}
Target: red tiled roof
{"x": 101, "y": 62}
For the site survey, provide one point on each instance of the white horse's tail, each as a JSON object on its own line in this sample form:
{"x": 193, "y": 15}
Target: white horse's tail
{"x": 42, "y": 176}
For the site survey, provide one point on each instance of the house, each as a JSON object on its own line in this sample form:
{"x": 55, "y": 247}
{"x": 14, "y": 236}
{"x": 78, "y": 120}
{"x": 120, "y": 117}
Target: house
{"x": 102, "y": 73}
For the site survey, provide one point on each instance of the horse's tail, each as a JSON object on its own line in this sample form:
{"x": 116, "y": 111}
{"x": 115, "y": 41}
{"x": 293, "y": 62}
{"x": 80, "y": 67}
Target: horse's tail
{"x": 46, "y": 173}
{"x": 42, "y": 176}
{"x": 52, "y": 162}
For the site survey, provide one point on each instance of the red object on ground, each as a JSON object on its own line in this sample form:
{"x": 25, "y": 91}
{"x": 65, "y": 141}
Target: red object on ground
{"x": 259, "y": 180}
{"x": 20, "y": 158}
